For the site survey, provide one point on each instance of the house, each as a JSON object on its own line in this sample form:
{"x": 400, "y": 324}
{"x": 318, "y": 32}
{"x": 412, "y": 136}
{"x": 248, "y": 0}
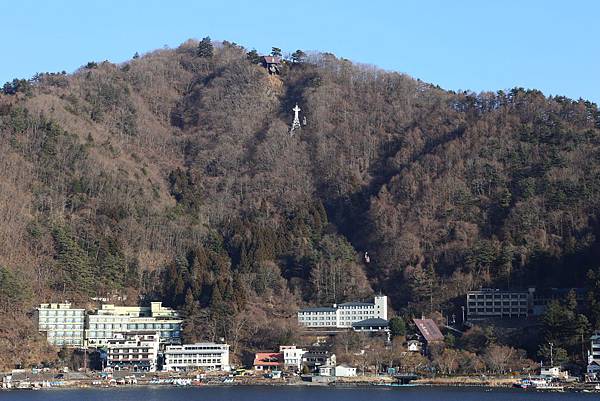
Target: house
{"x": 6, "y": 382}
{"x": 136, "y": 350}
{"x": 344, "y": 370}
{"x": 594, "y": 355}
{"x": 268, "y": 361}
{"x": 429, "y": 331}
{"x": 414, "y": 346}
{"x": 206, "y": 356}
{"x": 343, "y": 315}
{"x": 316, "y": 358}
{"x": 63, "y": 324}
{"x": 271, "y": 63}
{"x": 292, "y": 357}
{"x": 371, "y": 325}
{"x": 327, "y": 370}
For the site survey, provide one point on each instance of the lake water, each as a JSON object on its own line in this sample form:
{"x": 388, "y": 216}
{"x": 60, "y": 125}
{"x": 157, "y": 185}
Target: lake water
{"x": 263, "y": 393}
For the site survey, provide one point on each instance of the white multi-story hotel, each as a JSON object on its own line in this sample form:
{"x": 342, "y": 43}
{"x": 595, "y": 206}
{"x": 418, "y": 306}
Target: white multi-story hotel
{"x": 67, "y": 326}
{"x": 62, "y": 324}
{"x": 343, "y": 315}
{"x": 133, "y": 350}
{"x": 207, "y": 356}
{"x": 110, "y": 319}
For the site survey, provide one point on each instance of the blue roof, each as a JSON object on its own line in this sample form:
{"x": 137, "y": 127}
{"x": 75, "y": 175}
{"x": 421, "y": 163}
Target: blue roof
{"x": 371, "y": 322}
{"x": 318, "y": 309}
{"x": 356, "y": 304}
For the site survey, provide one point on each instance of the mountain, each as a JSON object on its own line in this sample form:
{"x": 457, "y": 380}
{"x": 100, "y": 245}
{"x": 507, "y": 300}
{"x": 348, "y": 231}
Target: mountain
{"x": 174, "y": 176}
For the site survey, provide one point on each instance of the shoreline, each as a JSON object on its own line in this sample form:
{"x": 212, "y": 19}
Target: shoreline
{"x": 367, "y": 382}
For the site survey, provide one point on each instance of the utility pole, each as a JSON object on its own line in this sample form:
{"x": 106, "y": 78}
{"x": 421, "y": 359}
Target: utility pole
{"x": 551, "y": 356}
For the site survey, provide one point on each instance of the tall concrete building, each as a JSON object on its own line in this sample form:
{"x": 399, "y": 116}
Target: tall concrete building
{"x": 110, "y": 319}
{"x": 133, "y": 350}
{"x": 493, "y": 303}
{"x": 343, "y": 315}
{"x": 63, "y": 325}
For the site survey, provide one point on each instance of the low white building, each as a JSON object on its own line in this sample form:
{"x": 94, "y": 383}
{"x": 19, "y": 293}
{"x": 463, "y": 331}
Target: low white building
{"x": 206, "y": 356}
{"x": 345, "y": 314}
{"x": 554, "y": 372}
{"x": 133, "y": 350}
{"x": 327, "y": 370}
{"x": 6, "y": 382}
{"x": 344, "y": 370}
{"x": 371, "y": 325}
{"x": 292, "y": 357}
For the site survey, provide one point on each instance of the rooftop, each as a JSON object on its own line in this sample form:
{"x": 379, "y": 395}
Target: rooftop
{"x": 345, "y": 304}
{"x": 268, "y": 358}
{"x": 318, "y": 309}
{"x": 317, "y": 352}
{"x": 497, "y": 290}
{"x": 272, "y": 59}
{"x": 429, "y": 330}
{"x": 66, "y": 305}
{"x": 371, "y": 322}
{"x": 155, "y": 310}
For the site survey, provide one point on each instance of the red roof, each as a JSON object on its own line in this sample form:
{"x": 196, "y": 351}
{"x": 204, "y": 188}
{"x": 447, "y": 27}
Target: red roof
{"x": 272, "y": 59}
{"x": 268, "y": 359}
{"x": 429, "y": 330}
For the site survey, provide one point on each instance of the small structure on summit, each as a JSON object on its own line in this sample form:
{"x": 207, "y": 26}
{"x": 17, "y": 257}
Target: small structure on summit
{"x": 296, "y": 122}
{"x": 271, "y": 63}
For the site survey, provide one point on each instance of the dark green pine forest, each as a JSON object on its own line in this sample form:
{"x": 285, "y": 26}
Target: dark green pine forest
{"x": 174, "y": 177}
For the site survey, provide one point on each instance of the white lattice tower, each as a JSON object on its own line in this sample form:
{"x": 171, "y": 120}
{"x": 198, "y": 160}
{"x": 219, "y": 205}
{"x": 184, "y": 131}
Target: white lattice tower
{"x": 296, "y": 123}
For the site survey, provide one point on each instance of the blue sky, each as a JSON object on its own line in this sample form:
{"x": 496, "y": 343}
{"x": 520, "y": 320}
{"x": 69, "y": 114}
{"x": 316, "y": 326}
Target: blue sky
{"x": 550, "y": 45}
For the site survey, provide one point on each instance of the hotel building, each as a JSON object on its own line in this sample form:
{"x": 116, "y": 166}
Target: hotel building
{"x": 493, "y": 303}
{"x": 133, "y": 350}
{"x": 343, "y": 315}
{"x": 206, "y": 356}
{"x": 62, "y": 324}
{"x": 155, "y": 318}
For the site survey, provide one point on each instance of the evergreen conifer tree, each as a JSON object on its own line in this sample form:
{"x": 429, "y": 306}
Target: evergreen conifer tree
{"x": 253, "y": 56}
{"x": 205, "y": 48}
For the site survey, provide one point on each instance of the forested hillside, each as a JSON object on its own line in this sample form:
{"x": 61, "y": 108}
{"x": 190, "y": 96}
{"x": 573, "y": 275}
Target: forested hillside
{"x": 174, "y": 176}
